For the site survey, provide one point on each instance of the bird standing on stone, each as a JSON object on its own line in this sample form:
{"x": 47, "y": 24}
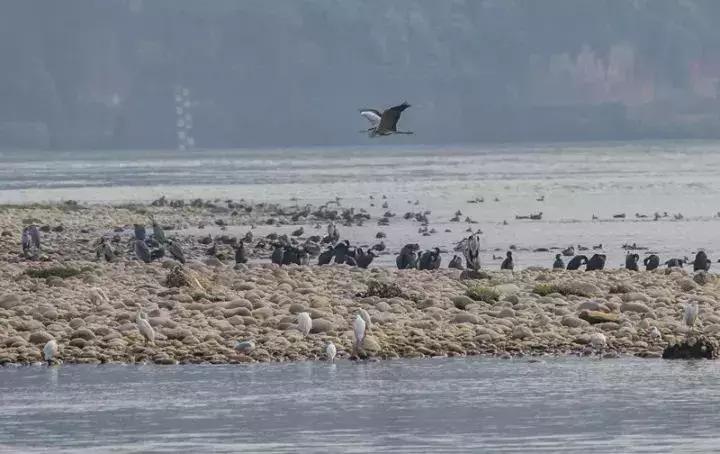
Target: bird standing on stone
{"x": 104, "y": 250}
{"x": 558, "y": 263}
{"x": 690, "y": 316}
{"x": 34, "y": 237}
{"x": 359, "y": 331}
{"x": 598, "y": 341}
{"x": 245, "y": 346}
{"x": 176, "y": 251}
{"x": 456, "y": 263}
{"x": 144, "y": 327}
{"x": 304, "y": 323}
{"x": 50, "y": 351}
{"x": 508, "y": 264}
{"x": 655, "y": 333}
{"x": 142, "y": 251}
{"x": 158, "y": 232}
{"x": 472, "y": 252}
{"x": 240, "y": 253}
{"x": 26, "y": 242}
{"x": 326, "y": 256}
{"x": 330, "y": 352}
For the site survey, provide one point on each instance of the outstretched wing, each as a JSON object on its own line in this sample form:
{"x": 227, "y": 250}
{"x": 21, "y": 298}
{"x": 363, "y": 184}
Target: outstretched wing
{"x": 372, "y": 115}
{"x": 390, "y": 117}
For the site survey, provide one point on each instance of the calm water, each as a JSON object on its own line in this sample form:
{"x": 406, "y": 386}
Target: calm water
{"x": 413, "y": 406}
{"x": 577, "y": 182}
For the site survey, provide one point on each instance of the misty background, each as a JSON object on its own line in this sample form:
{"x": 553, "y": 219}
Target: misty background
{"x": 145, "y": 74}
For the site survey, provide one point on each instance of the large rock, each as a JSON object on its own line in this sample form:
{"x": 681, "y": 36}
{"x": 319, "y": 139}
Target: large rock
{"x": 635, "y": 296}
{"x": 692, "y": 349}
{"x": 521, "y": 332}
{"x": 701, "y": 277}
{"x": 634, "y": 306}
{"x": 462, "y": 301}
{"x": 598, "y": 317}
{"x": 507, "y": 289}
{"x": 465, "y": 318}
{"x": 573, "y": 322}
{"x": 591, "y": 305}
{"x": 39, "y": 338}
{"x": 472, "y": 274}
{"x": 579, "y": 288}
{"x": 83, "y": 333}
{"x": 8, "y": 301}
{"x": 263, "y": 313}
{"x": 321, "y": 325}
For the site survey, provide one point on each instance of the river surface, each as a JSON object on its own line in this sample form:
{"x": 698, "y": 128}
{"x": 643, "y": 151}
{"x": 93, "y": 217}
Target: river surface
{"x": 467, "y": 405}
{"x": 570, "y": 184}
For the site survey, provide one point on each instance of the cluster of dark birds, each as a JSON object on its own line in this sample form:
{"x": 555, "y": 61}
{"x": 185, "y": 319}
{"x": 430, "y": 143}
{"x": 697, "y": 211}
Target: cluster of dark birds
{"x": 155, "y": 246}
{"x": 632, "y": 262}
{"x": 286, "y": 251}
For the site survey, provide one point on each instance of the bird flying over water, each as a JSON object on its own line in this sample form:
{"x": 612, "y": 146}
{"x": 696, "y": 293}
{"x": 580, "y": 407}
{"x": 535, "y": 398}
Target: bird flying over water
{"x": 359, "y": 331}
{"x": 386, "y": 123}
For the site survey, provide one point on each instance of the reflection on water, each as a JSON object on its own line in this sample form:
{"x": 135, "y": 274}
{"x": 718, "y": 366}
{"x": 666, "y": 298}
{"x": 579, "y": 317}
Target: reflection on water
{"x": 442, "y": 405}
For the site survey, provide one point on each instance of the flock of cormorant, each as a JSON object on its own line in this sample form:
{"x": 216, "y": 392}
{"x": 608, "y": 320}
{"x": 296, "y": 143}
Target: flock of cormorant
{"x": 285, "y": 251}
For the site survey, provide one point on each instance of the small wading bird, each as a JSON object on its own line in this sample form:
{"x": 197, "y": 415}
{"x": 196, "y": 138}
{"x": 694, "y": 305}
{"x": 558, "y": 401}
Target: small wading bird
{"x": 690, "y": 316}
{"x": 330, "y": 351}
{"x": 359, "y": 331}
{"x": 144, "y": 327}
{"x": 304, "y": 323}
{"x": 50, "y": 351}
{"x": 245, "y": 346}
{"x": 386, "y": 123}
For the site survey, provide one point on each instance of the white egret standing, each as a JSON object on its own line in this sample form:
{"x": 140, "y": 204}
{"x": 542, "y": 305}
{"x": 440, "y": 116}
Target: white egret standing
{"x": 144, "y": 327}
{"x": 359, "y": 330}
{"x": 50, "y": 351}
{"x": 304, "y": 323}
{"x": 655, "y": 333}
{"x": 691, "y": 315}
{"x": 330, "y": 351}
{"x": 366, "y": 317}
{"x": 598, "y": 342}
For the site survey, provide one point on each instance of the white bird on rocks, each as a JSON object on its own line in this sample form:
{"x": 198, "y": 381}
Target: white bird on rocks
{"x": 655, "y": 333}
{"x": 691, "y": 315}
{"x": 98, "y": 295}
{"x": 359, "y": 330}
{"x": 598, "y": 341}
{"x": 144, "y": 327}
{"x": 366, "y": 317}
{"x": 245, "y": 346}
{"x": 50, "y": 351}
{"x": 304, "y": 323}
{"x": 330, "y": 351}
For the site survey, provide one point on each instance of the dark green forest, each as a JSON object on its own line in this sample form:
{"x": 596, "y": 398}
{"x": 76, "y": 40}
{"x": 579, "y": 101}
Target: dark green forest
{"x": 105, "y": 74}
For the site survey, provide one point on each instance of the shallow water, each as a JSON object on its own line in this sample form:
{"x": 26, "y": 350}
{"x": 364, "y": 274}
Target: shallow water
{"x": 577, "y": 181}
{"x": 405, "y": 406}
